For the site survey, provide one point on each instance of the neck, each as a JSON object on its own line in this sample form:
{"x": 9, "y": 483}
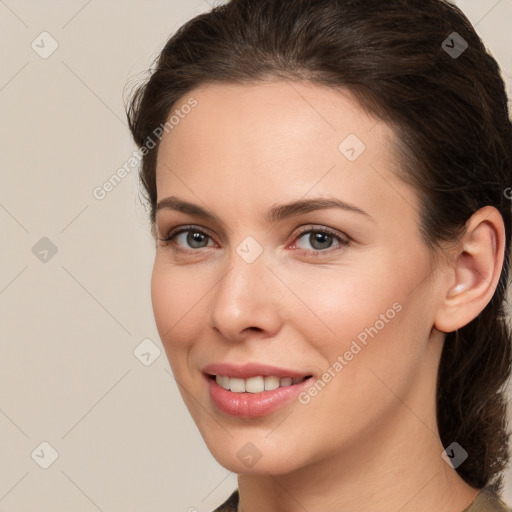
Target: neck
{"x": 406, "y": 479}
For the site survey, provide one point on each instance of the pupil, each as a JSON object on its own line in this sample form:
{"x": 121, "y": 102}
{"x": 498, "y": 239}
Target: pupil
{"x": 320, "y": 240}
{"x": 195, "y": 239}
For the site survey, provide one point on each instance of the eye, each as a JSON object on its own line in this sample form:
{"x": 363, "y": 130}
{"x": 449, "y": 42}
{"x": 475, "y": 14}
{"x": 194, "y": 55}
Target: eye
{"x": 320, "y": 239}
{"x": 188, "y": 238}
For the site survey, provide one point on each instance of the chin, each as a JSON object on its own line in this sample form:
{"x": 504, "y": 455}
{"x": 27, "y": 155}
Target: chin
{"x": 271, "y": 466}
{"x": 255, "y": 457}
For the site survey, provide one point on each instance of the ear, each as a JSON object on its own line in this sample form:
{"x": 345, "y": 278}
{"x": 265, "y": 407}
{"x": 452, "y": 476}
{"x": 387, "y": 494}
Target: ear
{"x": 474, "y": 270}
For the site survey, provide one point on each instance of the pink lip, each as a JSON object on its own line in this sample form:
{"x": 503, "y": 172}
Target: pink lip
{"x": 248, "y": 370}
{"x": 252, "y": 405}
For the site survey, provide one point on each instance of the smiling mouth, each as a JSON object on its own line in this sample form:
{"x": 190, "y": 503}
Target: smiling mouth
{"x": 256, "y": 384}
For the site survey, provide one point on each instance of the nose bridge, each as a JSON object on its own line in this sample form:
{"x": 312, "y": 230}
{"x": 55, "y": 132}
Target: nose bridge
{"x": 241, "y": 299}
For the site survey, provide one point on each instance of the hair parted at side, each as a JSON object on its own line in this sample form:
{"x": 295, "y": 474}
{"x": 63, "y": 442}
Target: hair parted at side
{"x": 453, "y": 137}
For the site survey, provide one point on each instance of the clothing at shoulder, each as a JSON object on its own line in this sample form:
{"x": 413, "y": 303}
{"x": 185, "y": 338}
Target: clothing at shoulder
{"x": 230, "y": 505}
{"x": 486, "y": 501}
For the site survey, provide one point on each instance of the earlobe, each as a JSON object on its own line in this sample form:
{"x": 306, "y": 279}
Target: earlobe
{"x": 475, "y": 269}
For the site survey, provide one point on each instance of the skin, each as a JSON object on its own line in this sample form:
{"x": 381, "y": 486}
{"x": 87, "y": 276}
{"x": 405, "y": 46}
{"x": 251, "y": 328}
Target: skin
{"x": 369, "y": 440}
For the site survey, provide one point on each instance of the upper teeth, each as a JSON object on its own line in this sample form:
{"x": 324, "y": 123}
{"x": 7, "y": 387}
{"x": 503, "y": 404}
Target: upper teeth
{"x": 255, "y": 384}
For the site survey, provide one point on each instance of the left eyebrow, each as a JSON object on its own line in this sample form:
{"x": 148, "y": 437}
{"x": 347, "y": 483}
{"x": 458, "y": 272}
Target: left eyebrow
{"x": 275, "y": 214}
{"x": 280, "y": 212}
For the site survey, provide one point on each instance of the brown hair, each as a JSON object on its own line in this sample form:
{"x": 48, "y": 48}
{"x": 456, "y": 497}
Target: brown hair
{"x": 454, "y": 137}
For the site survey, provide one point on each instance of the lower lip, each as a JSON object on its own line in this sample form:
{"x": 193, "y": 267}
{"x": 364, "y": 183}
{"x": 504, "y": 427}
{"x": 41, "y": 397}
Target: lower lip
{"x": 253, "y": 405}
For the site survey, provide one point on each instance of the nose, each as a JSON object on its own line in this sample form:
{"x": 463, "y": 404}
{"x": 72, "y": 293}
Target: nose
{"x": 245, "y": 301}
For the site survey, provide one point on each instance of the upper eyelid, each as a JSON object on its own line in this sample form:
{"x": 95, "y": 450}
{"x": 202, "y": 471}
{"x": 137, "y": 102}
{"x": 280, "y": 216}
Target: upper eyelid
{"x": 304, "y": 229}
{"x": 184, "y": 228}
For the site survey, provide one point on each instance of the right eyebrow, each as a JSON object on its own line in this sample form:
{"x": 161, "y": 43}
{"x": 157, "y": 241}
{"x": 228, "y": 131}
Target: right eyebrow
{"x": 173, "y": 203}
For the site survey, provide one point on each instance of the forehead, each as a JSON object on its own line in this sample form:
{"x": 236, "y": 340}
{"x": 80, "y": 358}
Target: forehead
{"x": 264, "y": 109}
{"x": 243, "y": 148}
{"x": 272, "y": 123}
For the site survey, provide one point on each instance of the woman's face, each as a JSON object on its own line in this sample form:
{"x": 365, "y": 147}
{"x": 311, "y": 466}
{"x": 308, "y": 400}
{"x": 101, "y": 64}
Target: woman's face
{"x": 345, "y": 294}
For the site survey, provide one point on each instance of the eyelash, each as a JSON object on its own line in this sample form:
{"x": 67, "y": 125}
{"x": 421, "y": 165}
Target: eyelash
{"x": 343, "y": 241}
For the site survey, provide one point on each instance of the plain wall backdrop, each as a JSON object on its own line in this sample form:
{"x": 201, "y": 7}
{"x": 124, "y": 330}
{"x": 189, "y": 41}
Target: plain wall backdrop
{"x": 90, "y": 415}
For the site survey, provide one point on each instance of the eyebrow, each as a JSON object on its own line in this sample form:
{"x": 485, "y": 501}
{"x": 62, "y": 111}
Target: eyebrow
{"x": 275, "y": 214}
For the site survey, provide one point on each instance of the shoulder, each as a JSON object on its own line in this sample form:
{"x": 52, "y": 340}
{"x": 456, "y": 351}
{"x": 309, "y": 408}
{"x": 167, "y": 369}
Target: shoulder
{"x": 231, "y": 504}
{"x": 488, "y": 501}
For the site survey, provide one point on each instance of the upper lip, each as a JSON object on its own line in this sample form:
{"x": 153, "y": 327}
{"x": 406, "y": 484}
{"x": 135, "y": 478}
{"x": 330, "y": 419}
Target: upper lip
{"x": 248, "y": 370}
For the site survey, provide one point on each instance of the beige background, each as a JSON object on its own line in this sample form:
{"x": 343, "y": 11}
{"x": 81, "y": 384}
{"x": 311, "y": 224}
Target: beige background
{"x": 70, "y": 323}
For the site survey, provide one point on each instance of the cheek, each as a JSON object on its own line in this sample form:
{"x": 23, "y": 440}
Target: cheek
{"x": 176, "y": 296}
{"x": 378, "y": 353}
{"x": 365, "y": 314}
{"x": 339, "y": 303}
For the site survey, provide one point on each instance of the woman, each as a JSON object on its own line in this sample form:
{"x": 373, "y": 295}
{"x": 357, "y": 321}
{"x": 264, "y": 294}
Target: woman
{"x": 327, "y": 187}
